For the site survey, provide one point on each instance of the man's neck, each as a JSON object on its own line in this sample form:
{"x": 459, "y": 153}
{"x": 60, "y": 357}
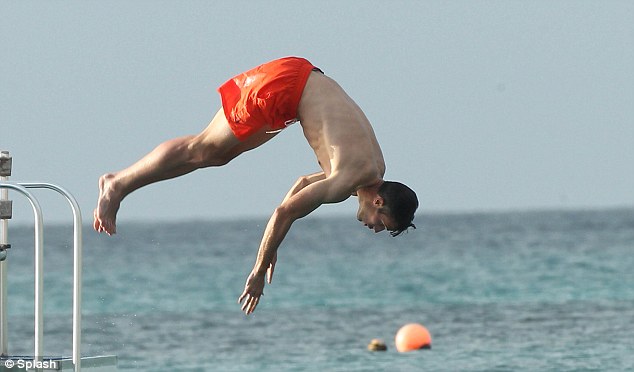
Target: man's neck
{"x": 370, "y": 190}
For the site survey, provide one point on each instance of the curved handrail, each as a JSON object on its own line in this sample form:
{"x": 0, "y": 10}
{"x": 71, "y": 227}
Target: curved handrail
{"x": 39, "y": 269}
{"x": 77, "y": 265}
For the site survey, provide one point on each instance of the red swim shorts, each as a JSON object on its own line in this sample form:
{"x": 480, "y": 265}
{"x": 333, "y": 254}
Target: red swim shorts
{"x": 265, "y": 96}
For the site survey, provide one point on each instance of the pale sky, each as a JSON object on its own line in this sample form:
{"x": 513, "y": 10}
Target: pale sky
{"x": 478, "y": 105}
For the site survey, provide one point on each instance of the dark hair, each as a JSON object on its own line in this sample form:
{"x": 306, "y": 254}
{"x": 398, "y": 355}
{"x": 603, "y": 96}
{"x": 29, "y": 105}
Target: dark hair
{"x": 400, "y": 202}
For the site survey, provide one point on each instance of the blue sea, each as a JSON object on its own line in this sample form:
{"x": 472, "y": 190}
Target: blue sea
{"x": 512, "y": 291}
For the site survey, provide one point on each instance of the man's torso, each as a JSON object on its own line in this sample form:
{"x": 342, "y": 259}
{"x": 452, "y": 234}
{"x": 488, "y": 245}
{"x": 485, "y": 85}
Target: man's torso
{"x": 339, "y": 132}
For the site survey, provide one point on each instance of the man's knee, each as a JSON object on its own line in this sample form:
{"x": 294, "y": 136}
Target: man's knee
{"x": 215, "y": 159}
{"x": 208, "y": 155}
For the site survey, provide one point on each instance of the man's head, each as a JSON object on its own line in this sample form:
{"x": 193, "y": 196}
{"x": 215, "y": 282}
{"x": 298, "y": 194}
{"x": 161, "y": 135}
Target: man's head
{"x": 391, "y": 208}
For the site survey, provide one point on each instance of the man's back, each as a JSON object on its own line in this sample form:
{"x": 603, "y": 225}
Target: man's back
{"x": 339, "y": 133}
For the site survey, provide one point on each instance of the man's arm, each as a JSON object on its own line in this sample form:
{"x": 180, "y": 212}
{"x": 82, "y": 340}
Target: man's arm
{"x": 296, "y": 205}
{"x": 302, "y": 182}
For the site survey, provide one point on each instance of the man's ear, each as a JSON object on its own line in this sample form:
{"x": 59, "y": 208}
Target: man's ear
{"x": 378, "y": 201}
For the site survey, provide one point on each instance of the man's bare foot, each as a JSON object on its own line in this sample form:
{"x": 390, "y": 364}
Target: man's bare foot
{"x": 107, "y": 206}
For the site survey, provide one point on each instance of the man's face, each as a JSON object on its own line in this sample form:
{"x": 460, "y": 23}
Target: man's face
{"x": 371, "y": 217}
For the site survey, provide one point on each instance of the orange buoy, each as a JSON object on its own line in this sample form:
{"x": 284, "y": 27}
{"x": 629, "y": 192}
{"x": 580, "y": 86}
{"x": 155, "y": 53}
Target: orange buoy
{"x": 412, "y": 336}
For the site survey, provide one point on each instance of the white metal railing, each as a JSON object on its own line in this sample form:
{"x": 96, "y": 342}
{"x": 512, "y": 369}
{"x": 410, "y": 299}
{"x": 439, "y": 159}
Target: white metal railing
{"x": 77, "y": 265}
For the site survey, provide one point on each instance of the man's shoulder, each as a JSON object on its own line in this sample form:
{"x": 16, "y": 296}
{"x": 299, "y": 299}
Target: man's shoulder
{"x": 352, "y": 177}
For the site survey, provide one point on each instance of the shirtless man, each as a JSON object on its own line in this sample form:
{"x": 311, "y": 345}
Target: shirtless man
{"x": 256, "y": 105}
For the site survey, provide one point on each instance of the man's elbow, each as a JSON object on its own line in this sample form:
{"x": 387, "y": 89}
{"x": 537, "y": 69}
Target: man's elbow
{"x": 286, "y": 213}
{"x": 303, "y": 181}
{"x": 282, "y": 213}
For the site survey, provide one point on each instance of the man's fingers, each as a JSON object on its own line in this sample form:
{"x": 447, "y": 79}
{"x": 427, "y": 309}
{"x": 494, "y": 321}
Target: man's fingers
{"x": 242, "y": 296}
{"x": 254, "y": 303}
{"x": 249, "y": 305}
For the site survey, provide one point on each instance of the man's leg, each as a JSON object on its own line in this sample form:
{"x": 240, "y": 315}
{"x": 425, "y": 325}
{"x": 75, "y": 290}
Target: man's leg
{"x": 215, "y": 146}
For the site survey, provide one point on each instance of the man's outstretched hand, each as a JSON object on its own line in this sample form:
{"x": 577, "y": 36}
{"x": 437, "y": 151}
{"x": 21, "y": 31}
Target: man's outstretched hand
{"x": 254, "y": 288}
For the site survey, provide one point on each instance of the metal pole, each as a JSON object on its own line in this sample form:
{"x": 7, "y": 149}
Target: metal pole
{"x": 39, "y": 267}
{"x": 77, "y": 266}
{"x": 4, "y": 267}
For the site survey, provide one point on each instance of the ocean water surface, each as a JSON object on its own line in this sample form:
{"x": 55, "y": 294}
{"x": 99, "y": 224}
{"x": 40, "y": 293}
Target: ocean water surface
{"x": 514, "y": 291}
